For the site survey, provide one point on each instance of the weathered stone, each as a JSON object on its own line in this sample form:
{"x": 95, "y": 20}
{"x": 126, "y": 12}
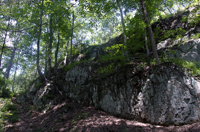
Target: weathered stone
{"x": 168, "y": 95}
{"x": 173, "y": 102}
{"x": 164, "y": 44}
{"x": 189, "y": 51}
{"x": 40, "y": 98}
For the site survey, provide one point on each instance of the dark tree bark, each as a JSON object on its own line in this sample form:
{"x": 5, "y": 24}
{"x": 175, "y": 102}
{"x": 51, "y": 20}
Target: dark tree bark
{"x": 73, "y": 19}
{"x": 46, "y": 50}
{"x": 50, "y": 44}
{"x": 56, "y": 53}
{"x": 38, "y": 45}
{"x": 150, "y": 32}
{"x": 145, "y": 37}
{"x": 46, "y": 60}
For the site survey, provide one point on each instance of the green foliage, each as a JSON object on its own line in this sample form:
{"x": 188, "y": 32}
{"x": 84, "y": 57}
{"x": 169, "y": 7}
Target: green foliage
{"x": 73, "y": 122}
{"x": 2, "y": 81}
{"x": 82, "y": 116}
{"x": 68, "y": 67}
{"x": 22, "y": 93}
{"x": 115, "y": 59}
{"x": 104, "y": 71}
{"x": 193, "y": 67}
{"x": 178, "y": 33}
{"x": 95, "y": 22}
{"x": 141, "y": 66}
{"x": 13, "y": 94}
{"x": 9, "y": 107}
{"x": 12, "y": 118}
{"x": 114, "y": 53}
{"x": 8, "y": 112}
{"x": 7, "y": 93}
{"x": 196, "y": 36}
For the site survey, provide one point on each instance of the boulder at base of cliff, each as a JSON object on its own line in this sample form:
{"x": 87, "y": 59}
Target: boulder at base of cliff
{"x": 164, "y": 95}
{"x": 169, "y": 96}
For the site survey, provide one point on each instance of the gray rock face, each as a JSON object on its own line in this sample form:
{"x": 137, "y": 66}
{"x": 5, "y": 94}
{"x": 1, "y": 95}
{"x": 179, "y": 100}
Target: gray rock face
{"x": 169, "y": 96}
{"x": 76, "y": 82}
{"x": 189, "y": 51}
{"x": 166, "y": 95}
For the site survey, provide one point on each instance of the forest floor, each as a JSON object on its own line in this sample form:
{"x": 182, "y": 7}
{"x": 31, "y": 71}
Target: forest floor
{"x": 68, "y": 116}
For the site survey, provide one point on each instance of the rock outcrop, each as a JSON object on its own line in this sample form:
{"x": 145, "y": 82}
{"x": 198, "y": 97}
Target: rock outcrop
{"x": 185, "y": 48}
{"x": 186, "y": 20}
{"x": 164, "y": 94}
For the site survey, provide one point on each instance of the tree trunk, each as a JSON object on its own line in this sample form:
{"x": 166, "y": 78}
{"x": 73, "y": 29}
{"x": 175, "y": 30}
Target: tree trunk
{"x": 46, "y": 60}
{"x": 9, "y": 65}
{"x": 56, "y": 53}
{"x": 145, "y": 37}
{"x": 35, "y": 74}
{"x": 50, "y": 45}
{"x": 123, "y": 25}
{"x": 4, "y": 41}
{"x": 38, "y": 45}
{"x": 65, "y": 61}
{"x": 13, "y": 85}
{"x": 46, "y": 49}
{"x": 150, "y": 32}
{"x": 72, "y": 35}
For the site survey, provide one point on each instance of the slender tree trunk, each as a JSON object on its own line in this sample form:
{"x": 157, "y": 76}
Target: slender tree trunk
{"x": 38, "y": 44}
{"x": 73, "y": 19}
{"x": 145, "y": 37}
{"x": 46, "y": 49}
{"x": 35, "y": 74}
{"x": 123, "y": 25}
{"x": 150, "y": 32}
{"x": 9, "y": 66}
{"x": 50, "y": 45}
{"x": 4, "y": 41}
{"x": 46, "y": 60}
{"x": 56, "y": 53}
{"x": 65, "y": 61}
{"x": 13, "y": 85}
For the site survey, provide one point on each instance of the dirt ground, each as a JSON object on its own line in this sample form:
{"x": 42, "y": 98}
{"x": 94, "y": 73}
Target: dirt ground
{"x": 69, "y": 116}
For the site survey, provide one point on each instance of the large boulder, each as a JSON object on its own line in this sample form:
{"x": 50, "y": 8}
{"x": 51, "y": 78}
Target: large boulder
{"x": 165, "y": 94}
{"x": 169, "y": 96}
{"x": 185, "y": 48}
{"x": 189, "y": 50}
